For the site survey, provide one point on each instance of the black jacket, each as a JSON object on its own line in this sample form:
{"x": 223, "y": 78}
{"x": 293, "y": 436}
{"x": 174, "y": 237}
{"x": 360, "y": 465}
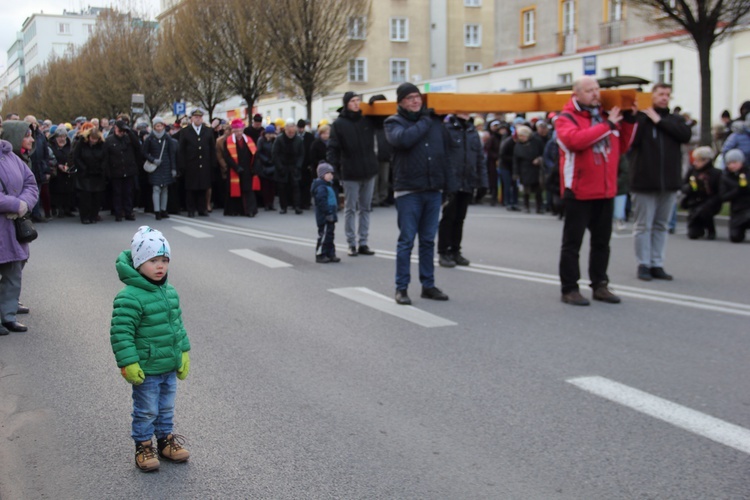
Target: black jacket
{"x": 701, "y": 189}
{"x": 420, "y": 152}
{"x": 384, "y": 149}
{"x": 288, "y": 157}
{"x": 506, "y": 153}
{"x": 317, "y": 153}
{"x": 351, "y": 147}
{"x": 122, "y": 155}
{"x": 89, "y": 165}
{"x": 62, "y": 182}
{"x": 733, "y": 192}
{"x": 196, "y": 157}
{"x": 524, "y": 155}
{"x": 152, "y": 150}
{"x": 466, "y": 155}
{"x": 263, "y": 164}
{"x": 655, "y": 154}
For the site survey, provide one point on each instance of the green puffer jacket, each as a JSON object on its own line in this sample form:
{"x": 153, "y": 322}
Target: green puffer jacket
{"x": 146, "y": 322}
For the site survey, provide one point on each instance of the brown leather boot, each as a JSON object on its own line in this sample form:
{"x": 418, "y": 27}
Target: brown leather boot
{"x": 171, "y": 448}
{"x": 145, "y": 457}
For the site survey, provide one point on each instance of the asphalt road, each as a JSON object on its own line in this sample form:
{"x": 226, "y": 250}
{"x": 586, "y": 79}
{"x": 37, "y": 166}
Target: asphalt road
{"x": 298, "y": 391}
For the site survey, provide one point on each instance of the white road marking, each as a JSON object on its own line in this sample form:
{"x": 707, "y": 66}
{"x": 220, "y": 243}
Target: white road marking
{"x": 192, "y": 232}
{"x": 699, "y": 423}
{"x": 260, "y": 258}
{"x": 367, "y": 297}
{"x": 691, "y": 301}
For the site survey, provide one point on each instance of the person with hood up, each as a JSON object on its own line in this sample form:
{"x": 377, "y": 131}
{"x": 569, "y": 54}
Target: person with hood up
{"x": 19, "y": 193}
{"x": 351, "y": 151}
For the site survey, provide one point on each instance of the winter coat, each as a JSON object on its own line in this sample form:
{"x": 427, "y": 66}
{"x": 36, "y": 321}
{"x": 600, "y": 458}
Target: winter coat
{"x": 506, "y": 153}
{"x": 264, "y": 166}
{"x": 62, "y": 182}
{"x": 731, "y": 190}
{"x": 326, "y": 201}
{"x": 705, "y": 198}
{"x": 317, "y": 153}
{"x": 466, "y": 155}
{"x": 88, "y": 162}
{"x": 307, "y": 140}
{"x": 244, "y": 166}
{"x": 288, "y": 155}
{"x": 384, "y": 150}
{"x": 655, "y": 153}
{"x": 146, "y": 325}
{"x": 253, "y": 133}
{"x": 162, "y": 176}
{"x": 588, "y": 174}
{"x": 738, "y": 140}
{"x": 351, "y": 147}
{"x": 196, "y": 157}
{"x": 20, "y": 185}
{"x": 421, "y": 147}
{"x": 122, "y": 155}
{"x": 40, "y": 157}
{"x": 524, "y": 155}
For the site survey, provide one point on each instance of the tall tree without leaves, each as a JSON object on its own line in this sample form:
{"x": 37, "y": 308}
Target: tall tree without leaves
{"x": 707, "y": 22}
{"x": 312, "y": 43}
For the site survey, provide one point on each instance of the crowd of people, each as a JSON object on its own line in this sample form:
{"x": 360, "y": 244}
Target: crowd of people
{"x": 633, "y": 163}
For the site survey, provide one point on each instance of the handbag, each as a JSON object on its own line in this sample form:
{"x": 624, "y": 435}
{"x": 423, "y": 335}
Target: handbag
{"x": 25, "y": 230}
{"x": 150, "y": 166}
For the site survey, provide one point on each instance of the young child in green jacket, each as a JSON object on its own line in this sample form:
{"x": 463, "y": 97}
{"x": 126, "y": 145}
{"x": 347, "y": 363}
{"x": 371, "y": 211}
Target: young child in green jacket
{"x": 150, "y": 346}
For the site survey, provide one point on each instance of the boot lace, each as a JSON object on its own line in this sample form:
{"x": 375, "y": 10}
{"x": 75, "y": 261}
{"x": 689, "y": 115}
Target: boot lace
{"x": 175, "y": 442}
{"x": 147, "y": 452}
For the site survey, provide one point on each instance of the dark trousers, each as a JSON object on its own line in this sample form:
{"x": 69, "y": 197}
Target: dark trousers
{"x": 699, "y": 221}
{"x": 492, "y": 179}
{"x": 122, "y": 196}
{"x": 596, "y": 216}
{"x": 195, "y": 200}
{"x": 325, "y": 245}
{"x": 304, "y": 188}
{"x": 89, "y": 203}
{"x": 738, "y": 224}
{"x": 286, "y": 191}
{"x": 510, "y": 188}
{"x": 536, "y": 190}
{"x": 451, "y": 229}
{"x": 267, "y": 191}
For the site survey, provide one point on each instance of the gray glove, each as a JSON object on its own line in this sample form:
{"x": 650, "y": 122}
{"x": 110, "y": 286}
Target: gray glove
{"x": 157, "y": 162}
{"x": 174, "y": 173}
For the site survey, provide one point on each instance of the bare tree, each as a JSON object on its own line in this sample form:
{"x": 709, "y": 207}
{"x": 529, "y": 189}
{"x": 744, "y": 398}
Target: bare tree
{"x": 707, "y": 22}
{"x": 314, "y": 41}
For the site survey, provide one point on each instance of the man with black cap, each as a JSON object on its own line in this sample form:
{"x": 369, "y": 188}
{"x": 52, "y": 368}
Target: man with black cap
{"x": 420, "y": 173}
{"x": 196, "y": 159}
{"x": 309, "y": 171}
{"x": 255, "y": 129}
{"x": 351, "y": 150}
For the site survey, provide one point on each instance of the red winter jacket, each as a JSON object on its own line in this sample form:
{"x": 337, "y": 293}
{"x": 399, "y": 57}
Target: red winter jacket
{"x": 589, "y": 175}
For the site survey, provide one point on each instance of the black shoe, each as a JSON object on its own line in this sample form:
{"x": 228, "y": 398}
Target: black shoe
{"x": 460, "y": 260}
{"x": 604, "y": 294}
{"x": 445, "y": 260}
{"x": 402, "y": 298}
{"x": 322, "y": 259}
{"x": 22, "y": 309}
{"x": 191, "y": 215}
{"x": 4, "y": 331}
{"x": 203, "y": 214}
{"x": 282, "y": 211}
{"x": 164, "y": 214}
{"x": 269, "y": 209}
{"x": 130, "y": 217}
{"x": 574, "y": 298}
{"x": 711, "y": 234}
{"x": 660, "y": 274}
{"x": 158, "y": 215}
{"x": 433, "y": 293}
{"x": 118, "y": 219}
{"x": 298, "y": 211}
{"x": 365, "y": 250}
{"x": 352, "y": 252}
{"x": 15, "y": 326}
{"x": 644, "y": 273}
{"x": 335, "y": 259}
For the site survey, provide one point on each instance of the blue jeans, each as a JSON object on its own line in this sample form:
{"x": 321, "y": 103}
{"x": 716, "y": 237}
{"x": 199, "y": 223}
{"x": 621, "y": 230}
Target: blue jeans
{"x": 153, "y": 406}
{"x": 620, "y": 201}
{"x": 510, "y": 188}
{"x": 418, "y": 214}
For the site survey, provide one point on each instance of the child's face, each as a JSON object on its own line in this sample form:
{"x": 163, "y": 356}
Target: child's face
{"x": 155, "y": 269}
{"x": 700, "y": 163}
{"x": 734, "y": 166}
{"x": 328, "y": 176}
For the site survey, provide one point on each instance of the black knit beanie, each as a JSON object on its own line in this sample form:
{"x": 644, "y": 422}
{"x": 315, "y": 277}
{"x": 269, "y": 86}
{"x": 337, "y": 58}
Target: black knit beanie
{"x": 405, "y": 89}
{"x": 348, "y": 97}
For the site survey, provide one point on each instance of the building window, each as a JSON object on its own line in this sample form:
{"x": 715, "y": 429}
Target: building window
{"x": 399, "y": 29}
{"x": 472, "y": 35}
{"x": 469, "y": 67}
{"x": 565, "y": 78}
{"x": 399, "y": 70}
{"x": 568, "y": 16}
{"x": 528, "y": 26}
{"x": 357, "y": 70}
{"x": 614, "y": 10}
{"x": 525, "y": 83}
{"x": 32, "y": 52}
{"x": 663, "y": 70}
{"x": 63, "y": 28}
{"x": 610, "y": 72}
{"x": 357, "y": 28}
{"x": 89, "y": 29}
{"x": 30, "y": 33}
{"x": 473, "y": 3}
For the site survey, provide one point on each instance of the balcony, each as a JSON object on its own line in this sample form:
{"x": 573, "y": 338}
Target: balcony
{"x": 566, "y": 42}
{"x": 612, "y": 33}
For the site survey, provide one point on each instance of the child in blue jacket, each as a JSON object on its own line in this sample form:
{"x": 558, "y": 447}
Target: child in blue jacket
{"x": 326, "y": 203}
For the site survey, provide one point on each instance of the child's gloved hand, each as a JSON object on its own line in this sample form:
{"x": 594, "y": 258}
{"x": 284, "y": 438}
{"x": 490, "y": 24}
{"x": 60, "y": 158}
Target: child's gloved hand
{"x": 133, "y": 374}
{"x": 184, "y": 369}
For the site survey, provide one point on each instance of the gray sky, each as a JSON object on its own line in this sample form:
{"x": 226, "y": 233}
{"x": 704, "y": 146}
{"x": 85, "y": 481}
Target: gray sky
{"x": 14, "y": 12}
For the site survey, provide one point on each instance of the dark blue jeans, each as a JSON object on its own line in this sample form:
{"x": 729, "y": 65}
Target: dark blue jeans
{"x": 153, "y": 407}
{"x": 418, "y": 214}
{"x": 510, "y": 188}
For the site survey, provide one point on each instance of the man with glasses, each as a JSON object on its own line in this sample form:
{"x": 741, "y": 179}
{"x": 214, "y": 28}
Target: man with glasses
{"x": 421, "y": 174}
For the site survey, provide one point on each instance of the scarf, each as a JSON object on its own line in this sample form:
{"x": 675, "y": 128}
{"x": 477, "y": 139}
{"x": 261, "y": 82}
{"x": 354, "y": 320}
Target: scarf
{"x": 602, "y": 146}
{"x": 159, "y": 135}
{"x": 234, "y": 178}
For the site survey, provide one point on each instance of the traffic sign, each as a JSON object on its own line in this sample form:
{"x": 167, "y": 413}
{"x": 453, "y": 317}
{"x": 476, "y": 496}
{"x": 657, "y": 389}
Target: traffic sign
{"x": 178, "y": 108}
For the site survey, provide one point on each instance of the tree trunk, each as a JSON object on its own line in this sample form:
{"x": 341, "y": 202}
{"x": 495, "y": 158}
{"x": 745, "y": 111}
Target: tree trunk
{"x": 308, "y": 102}
{"x": 704, "y": 58}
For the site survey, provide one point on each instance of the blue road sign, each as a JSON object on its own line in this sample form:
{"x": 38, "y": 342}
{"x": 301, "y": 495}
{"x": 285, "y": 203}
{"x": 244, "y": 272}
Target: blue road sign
{"x": 178, "y": 108}
{"x": 589, "y": 65}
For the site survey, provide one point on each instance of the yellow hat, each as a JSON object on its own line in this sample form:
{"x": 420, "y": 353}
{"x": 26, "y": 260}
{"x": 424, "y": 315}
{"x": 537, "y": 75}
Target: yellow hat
{"x": 69, "y": 126}
{"x": 279, "y": 122}
{"x": 322, "y": 122}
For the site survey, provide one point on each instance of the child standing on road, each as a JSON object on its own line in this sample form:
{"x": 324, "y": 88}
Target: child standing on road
{"x": 326, "y": 203}
{"x": 150, "y": 345}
